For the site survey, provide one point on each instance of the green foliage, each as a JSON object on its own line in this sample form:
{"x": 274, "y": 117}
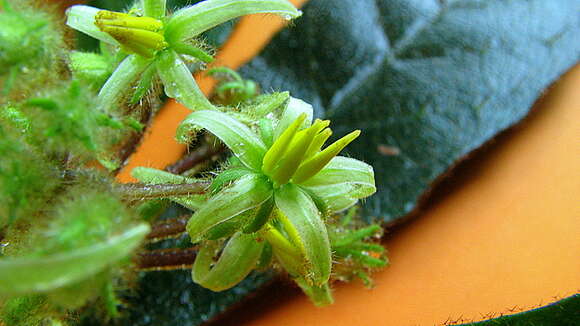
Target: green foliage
{"x": 88, "y": 231}
{"x": 23, "y": 37}
{"x": 27, "y": 178}
{"x": 24, "y": 311}
{"x": 91, "y": 68}
{"x": 31, "y": 44}
{"x": 69, "y": 259}
{"x": 85, "y": 217}
{"x": 66, "y": 120}
{"x": 426, "y": 81}
{"x": 58, "y": 241}
{"x": 78, "y": 294}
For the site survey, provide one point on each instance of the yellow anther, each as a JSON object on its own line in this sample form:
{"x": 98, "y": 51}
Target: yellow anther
{"x": 280, "y": 146}
{"x": 141, "y": 35}
{"x": 111, "y": 18}
{"x": 313, "y": 165}
{"x": 317, "y": 143}
{"x": 295, "y": 153}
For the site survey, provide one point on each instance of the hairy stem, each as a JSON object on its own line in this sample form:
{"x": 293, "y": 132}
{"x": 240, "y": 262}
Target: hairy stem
{"x": 131, "y": 191}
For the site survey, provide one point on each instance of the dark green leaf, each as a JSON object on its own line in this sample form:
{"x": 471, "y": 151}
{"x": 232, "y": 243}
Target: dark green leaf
{"x": 171, "y": 298}
{"x": 426, "y": 81}
{"x": 565, "y": 312}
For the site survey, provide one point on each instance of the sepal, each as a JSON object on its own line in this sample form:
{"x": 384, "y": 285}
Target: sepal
{"x": 82, "y": 18}
{"x": 304, "y": 224}
{"x": 191, "y": 21}
{"x": 342, "y": 182}
{"x": 242, "y": 141}
{"x": 294, "y": 109}
{"x": 114, "y": 92}
{"x": 239, "y": 257}
{"x": 179, "y": 82}
{"x": 244, "y": 194}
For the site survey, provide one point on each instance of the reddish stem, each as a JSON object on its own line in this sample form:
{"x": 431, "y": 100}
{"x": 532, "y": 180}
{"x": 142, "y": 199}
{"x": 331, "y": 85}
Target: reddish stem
{"x": 168, "y": 229}
{"x": 166, "y": 259}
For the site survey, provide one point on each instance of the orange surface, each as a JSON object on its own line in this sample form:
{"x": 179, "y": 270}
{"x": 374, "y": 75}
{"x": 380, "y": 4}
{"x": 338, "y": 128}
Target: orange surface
{"x": 508, "y": 237}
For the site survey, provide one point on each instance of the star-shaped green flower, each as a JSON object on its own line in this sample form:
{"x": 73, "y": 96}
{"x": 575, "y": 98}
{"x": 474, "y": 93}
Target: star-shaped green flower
{"x": 160, "y": 43}
{"x": 278, "y": 195}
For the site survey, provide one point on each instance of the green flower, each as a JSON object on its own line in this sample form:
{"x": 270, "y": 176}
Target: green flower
{"x": 160, "y": 43}
{"x": 278, "y": 195}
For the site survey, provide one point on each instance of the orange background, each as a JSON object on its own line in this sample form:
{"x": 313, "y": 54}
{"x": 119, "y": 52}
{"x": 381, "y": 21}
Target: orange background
{"x": 502, "y": 235}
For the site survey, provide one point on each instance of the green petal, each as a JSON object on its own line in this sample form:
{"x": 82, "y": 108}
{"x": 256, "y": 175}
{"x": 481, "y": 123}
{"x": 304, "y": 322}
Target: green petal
{"x": 154, "y": 8}
{"x": 304, "y": 216}
{"x": 194, "y": 20}
{"x": 82, "y": 18}
{"x": 121, "y": 81}
{"x": 238, "y": 259}
{"x": 342, "y": 182}
{"x": 179, "y": 82}
{"x": 154, "y": 176}
{"x": 294, "y": 109}
{"x": 246, "y": 193}
{"x": 244, "y": 143}
{"x": 29, "y": 275}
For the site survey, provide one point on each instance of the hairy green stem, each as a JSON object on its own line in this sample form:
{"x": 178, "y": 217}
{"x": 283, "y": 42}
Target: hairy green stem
{"x": 143, "y": 191}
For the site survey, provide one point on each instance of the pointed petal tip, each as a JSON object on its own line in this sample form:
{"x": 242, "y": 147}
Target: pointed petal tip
{"x": 355, "y": 133}
{"x": 321, "y": 124}
{"x": 312, "y": 166}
